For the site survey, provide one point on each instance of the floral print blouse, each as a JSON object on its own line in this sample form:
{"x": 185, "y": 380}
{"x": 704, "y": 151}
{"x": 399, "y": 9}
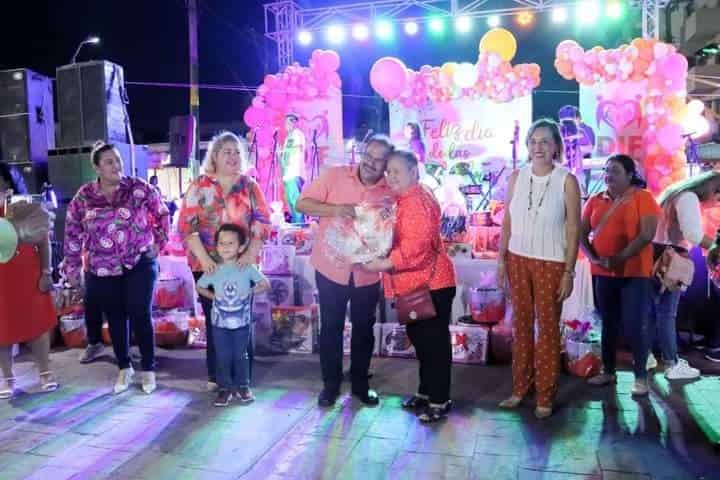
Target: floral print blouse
{"x": 205, "y": 207}
{"x": 114, "y": 234}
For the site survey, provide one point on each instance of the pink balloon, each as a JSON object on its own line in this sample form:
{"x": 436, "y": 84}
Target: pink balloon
{"x": 253, "y": 116}
{"x": 264, "y": 137}
{"x": 262, "y": 90}
{"x": 325, "y": 60}
{"x": 388, "y": 77}
{"x": 270, "y": 80}
{"x": 258, "y": 102}
{"x": 276, "y": 99}
{"x": 669, "y": 137}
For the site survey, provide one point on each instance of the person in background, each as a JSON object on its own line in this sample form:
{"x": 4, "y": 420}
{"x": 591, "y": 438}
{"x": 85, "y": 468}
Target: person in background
{"x": 617, "y": 228}
{"x": 418, "y": 259}
{"x": 293, "y": 165}
{"x": 222, "y": 194}
{"x": 413, "y": 136}
{"x": 27, "y": 314}
{"x": 537, "y": 254}
{"x": 335, "y": 194}
{"x": 681, "y": 227}
{"x": 233, "y": 286}
{"x": 121, "y": 224}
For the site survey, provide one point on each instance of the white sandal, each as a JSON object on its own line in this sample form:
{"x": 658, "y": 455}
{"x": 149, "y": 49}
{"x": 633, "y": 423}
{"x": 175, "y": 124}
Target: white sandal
{"x": 7, "y": 388}
{"x": 47, "y": 382}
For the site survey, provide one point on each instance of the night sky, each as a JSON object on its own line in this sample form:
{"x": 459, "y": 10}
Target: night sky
{"x": 149, "y": 39}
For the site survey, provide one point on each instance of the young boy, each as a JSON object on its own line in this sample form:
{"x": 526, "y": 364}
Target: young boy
{"x": 233, "y": 286}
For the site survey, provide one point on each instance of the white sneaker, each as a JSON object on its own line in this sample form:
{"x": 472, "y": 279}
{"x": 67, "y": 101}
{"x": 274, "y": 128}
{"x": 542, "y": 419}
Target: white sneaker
{"x": 148, "y": 382}
{"x": 212, "y": 386}
{"x": 124, "y": 379}
{"x": 640, "y": 388}
{"x": 681, "y": 371}
{"x": 651, "y": 362}
{"x": 92, "y": 352}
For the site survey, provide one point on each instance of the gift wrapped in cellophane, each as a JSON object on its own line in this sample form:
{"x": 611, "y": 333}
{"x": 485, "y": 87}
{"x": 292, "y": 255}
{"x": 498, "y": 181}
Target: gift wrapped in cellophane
{"x": 364, "y": 238}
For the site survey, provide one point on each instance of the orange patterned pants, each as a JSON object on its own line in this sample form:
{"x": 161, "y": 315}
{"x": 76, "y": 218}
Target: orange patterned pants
{"x": 533, "y": 289}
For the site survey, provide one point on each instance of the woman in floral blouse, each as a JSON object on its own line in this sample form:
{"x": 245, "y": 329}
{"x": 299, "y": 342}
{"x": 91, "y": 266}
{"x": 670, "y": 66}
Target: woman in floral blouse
{"x": 222, "y": 195}
{"x": 120, "y": 223}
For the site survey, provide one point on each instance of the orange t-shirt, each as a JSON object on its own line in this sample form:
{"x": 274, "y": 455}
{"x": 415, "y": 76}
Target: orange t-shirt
{"x": 621, "y": 228}
{"x": 418, "y": 254}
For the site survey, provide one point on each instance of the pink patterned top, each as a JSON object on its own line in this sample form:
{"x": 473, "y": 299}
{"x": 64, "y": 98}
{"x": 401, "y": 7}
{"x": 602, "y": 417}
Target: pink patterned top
{"x": 114, "y": 234}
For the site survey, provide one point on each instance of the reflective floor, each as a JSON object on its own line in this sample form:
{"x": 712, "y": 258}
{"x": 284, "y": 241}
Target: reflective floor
{"x": 83, "y": 431}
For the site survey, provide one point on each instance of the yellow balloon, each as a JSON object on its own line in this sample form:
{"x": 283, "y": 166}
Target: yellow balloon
{"x": 500, "y": 41}
{"x": 448, "y": 68}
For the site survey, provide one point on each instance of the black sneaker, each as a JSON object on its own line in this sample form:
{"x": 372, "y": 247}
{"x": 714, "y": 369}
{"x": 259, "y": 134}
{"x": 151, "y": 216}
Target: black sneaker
{"x": 223, "y": 398}
{"x": 713, "y": 354}
{"x": 245, "y": 395}
{"x": 327, "y": 398}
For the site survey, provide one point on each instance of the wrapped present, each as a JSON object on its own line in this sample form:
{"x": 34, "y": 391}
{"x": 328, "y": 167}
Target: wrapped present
{"x": 347, "y": 338}
{"x": 300, "y": 237}
{"x": 586, "y": 366}
{"x": 487, "y": 305}
{"x": 197, "y": 334}
{"x": 68, "y": 301}
{"x": 469, "y": 343}
{"x": 169, "y": 293}
{"x": 486, "y": 238}
{"x": 366, "y": 237}
{"x": 395, "y": 342}
{"x": 455, "y": 249}
{"x": 277, "y": 259}
{"x": 171, "y": 327}
{"x": 501, "y": 339}
{"x": 72, "y": 328}
{"x": 281, "y": 293}
{"x": 286, "y": 330}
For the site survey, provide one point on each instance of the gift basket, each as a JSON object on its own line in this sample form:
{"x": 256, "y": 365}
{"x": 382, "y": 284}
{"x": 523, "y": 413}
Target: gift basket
{"x": 72, "y": 328}
{"x": 487, "y": 305}
{"x": 582, "y": 345}
{"x": 364, "y": 238}
{"x": 169, "y": 292}
{"x": 171, "y": 327}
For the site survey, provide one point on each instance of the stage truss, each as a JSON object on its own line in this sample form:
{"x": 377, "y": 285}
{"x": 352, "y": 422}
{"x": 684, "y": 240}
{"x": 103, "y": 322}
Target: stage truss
{"x": 284, "y": 18}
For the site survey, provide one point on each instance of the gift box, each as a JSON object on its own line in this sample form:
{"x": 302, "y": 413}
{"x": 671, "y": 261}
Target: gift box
{"x": 72, "y": 328}
{"x": 281, "y": 293}
{"x": 171, "y": 327}
{"x": 347, "y": 338}
{"x": 394, "y": 341}
{"x": 277, "y": 259}
{"x": 470, "y": 343}
{"x": 455, "y": 249}
{"x": 286, "y": 330}
{"x": 487, "y": 305}
{"x": 299, "y": 236}
{"x": 197, "y": 334}
{"x": 169, "y": 293}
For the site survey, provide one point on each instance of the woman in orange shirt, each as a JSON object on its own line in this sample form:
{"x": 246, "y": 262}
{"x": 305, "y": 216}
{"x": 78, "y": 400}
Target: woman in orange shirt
{"x": 617, "y": 228}
{"x": 418, "y": 259}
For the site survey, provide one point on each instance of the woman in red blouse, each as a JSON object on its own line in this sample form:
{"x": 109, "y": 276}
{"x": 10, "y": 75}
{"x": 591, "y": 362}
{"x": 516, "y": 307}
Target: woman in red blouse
{"x": 418, "y": 259}
{"x": 223, "y": 194}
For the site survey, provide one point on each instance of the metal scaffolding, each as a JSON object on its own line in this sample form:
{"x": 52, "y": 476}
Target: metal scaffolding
{"x": 284, "y": 18}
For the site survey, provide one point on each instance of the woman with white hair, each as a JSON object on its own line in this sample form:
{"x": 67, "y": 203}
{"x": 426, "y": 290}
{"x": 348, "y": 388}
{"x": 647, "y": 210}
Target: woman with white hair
{"x": 223, "y": 194}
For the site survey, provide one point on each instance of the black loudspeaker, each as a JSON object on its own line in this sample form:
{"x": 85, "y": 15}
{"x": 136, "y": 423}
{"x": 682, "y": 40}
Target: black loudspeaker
{"x": 90, "y": 104}
{"x": 70, "y": 168}
{"x": 181, "y": 139}
{"x": 27, "y": 118}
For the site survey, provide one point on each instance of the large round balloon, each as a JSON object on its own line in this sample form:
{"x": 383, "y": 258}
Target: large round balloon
{"x": 388, "y": 77}
{"x": 500, "y": 41}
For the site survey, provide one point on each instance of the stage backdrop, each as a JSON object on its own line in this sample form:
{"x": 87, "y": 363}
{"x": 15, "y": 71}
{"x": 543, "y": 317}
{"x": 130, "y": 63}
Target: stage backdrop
{"x": 478, "y": 131}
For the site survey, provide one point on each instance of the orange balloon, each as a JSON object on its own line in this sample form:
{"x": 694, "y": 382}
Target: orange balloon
{"x": 500, "y": 41}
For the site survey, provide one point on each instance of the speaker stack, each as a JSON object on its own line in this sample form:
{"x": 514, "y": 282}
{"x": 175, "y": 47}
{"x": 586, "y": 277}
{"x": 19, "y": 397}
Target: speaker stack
{"x": 27, "y": 124}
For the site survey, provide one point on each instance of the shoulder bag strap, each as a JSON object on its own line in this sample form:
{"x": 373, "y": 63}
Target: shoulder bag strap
{"x": 603, "y": 221}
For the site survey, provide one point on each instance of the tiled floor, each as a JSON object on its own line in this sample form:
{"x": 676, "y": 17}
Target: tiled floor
{"x": 82, "y": 431}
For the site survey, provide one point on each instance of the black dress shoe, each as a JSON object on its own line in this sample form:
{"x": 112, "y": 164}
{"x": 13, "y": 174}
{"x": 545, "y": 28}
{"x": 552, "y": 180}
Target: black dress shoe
{"x": 327, "y": 399}
{"x": 368, "y": 397}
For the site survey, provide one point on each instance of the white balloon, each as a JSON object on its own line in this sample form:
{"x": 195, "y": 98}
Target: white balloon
{"x": 466, "y": 74}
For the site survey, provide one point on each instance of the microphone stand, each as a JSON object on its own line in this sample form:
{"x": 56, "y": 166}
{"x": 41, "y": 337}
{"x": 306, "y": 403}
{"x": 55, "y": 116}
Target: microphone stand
{"x": 272, "y": 181}
{"x": 315, "y": 159}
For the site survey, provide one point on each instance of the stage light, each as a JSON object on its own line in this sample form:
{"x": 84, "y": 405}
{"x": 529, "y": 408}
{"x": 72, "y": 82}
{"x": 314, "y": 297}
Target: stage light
{"x": 437, "y": 26}
{"x": 411, "y": 28}
{"x": 335, "y": 34}
{"x": 384, "y": 30}
{"x": 360, "y": 32}
{"x": 305, "y": 37}
{"x": 615, "y": 10}
{"x": 525, "y": 18}
{"x": 463, "y": 24}
{"x": 493, "y": 21}
{"x": 559, "y": 15}
{"x": 587, "y": 12}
